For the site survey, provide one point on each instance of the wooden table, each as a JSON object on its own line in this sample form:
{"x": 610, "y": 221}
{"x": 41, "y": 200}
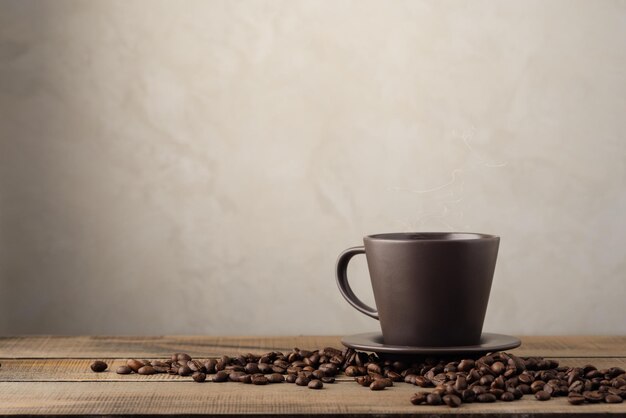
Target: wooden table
{"x": 51, "y": 376}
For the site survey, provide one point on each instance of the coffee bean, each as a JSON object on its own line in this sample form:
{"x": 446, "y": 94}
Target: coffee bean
{"x": 99, "y": 366}
{"x": 234, "y": 376}
{"x": 221, "y": 376}
{"x": 315, "y": 384}
{"x": 593, "y": 396}
{"x": 123, "y": 370}
{"x": 209, "y": 365}
{"x": 610, "y": 398}
{"x": 374, "y": 368}
{"x": 466, "y": 365}
{"x": 246, "y": 378}
{"x": 433, "y": 399}
{"x": 576, "y": 399}
{"x": 302, "y": 381}
{"x": 419, "y": 398}
{"x": 291, "y": 378}
{"x": 452, "y": 401}
{"x": 422, "y": 381}
{"x": 134, "y": 365}
{"x": 486, "y": 397}
{"x": 146, "y": 370}
{"x": 364, "y": 380}
{"x": 537, "y": 385}
{"x": 199, "y": 377}
{"x": 468, "y": 396}
{"x": 507, "y": 397}
{"x": 461, "y": 383}
{"x": 259, "y": 380}
{"x": 183, "y": 358}
{"x": 378, "y": 384}
{"x": 275, "y": 378}
{"x": 542, "y": 395}
{"x": 498, "y": 367}
{"x": 328, "y": 379}
{"x": 486, "y": 380}
{"x": 184, "y": 371}
{"x": 196, "y": 366}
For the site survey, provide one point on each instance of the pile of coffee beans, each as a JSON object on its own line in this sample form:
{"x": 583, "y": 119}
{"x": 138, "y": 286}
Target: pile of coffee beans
{"x": 493, "y": 377}
{"x": 506, "y": 377}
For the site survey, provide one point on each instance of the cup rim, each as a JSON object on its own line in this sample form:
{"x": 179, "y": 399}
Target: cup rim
{"x": 431, "y": 236}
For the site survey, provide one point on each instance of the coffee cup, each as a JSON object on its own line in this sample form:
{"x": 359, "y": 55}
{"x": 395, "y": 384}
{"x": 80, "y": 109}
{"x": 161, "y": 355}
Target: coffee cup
{"x": 431, "y": 289}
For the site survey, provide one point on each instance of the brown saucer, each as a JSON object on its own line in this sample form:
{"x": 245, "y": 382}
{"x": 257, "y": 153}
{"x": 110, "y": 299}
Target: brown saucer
{"x": 373, "y": 342}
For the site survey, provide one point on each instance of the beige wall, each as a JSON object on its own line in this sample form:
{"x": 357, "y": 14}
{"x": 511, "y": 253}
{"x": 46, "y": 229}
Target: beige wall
{"x": 196, "y": 167}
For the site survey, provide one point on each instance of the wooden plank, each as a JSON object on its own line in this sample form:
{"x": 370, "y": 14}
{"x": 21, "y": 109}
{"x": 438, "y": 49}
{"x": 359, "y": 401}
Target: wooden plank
{"x": 130, "y": 398}
{"x": 152, "y": 347}
{"x": 91, "y": 347}
{"x": 65, "y": 370}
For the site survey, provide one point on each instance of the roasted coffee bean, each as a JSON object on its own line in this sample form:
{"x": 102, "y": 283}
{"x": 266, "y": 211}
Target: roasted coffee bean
{"x": 209, "y": 365}
{"x": 134, "y": 364}
{"x": 486, "y": 380}
{"x": 235, "y": 376}
{"x": 419, "y": 398}
{"x": 146, "y": 370}
{"x": 291, "y": 378}
{"x": 593, "y": 396}
{"x": 537, "y": 385}
{"x": 198, "y": 377}
{"x": 433, "y": 399}
{"x": 196, "y": 366}
{"x": 525, "y": 389}
{"x": 461, "y": 383}
{"x": 468, "y": 396}
{"x": 99, "y": 366}
{"x": 183, "y": 357}
{"x": 378, "y": 384}
{"x": 507, "y": 397}
{"x": 364, "y": 380}
{"x": 393, "y": 376}
{"x": 486, "y": 397}
{"x": 452, "y": 401}
{"x": 374, "y": 368}
{"x": 264, "y": 368}
{"x": 410, "y": 378}
{"x": 302, "y": 381}
{"x": 421, "y": 381}
{"x": 317, "y": 374}
{"x": 517, "y": 394}
{"x": 246, "y": 378}
{"x": 221, "y": 376}
{"x": 610, "y": 398}
{"x": 328, "y": 379}
{"x": 498, "y": 383}
{"x": 498, "y": 368}
{"x": 184, "y": 371}
{"x": 124, "y": 370}
{"x": 542, "y": 395}
{"x": 478, "y": 390}
{"x": 315, "y": 384}
{"x": 466, "y": 365}
{"x": 275, "y": 378}
{"x": 259, "y": 380}
{"x": 576, "y": 399}
{"x": 161, "y": 369}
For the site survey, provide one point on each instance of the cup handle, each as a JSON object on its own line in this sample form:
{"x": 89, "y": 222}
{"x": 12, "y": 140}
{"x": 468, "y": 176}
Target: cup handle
{"x": 344, "y": 286}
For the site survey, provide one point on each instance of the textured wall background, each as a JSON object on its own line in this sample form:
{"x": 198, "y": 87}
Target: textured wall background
{"x": 196, "y": 167}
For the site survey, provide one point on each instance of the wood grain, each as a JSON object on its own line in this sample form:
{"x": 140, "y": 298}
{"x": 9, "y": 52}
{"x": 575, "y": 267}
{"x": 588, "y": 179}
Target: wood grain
{"x": 131, "y": 398}
{"x": 90, "y": 347}
{"x": 77, "y": 370}
{"x": 51, "y": 376}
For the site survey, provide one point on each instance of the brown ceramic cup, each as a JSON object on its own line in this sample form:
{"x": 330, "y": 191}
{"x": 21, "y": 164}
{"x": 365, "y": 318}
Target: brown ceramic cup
{"x": 431, "y": 289}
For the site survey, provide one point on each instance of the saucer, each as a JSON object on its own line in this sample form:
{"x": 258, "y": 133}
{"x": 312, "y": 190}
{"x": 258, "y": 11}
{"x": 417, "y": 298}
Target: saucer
{"x": 373, "y": 342}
